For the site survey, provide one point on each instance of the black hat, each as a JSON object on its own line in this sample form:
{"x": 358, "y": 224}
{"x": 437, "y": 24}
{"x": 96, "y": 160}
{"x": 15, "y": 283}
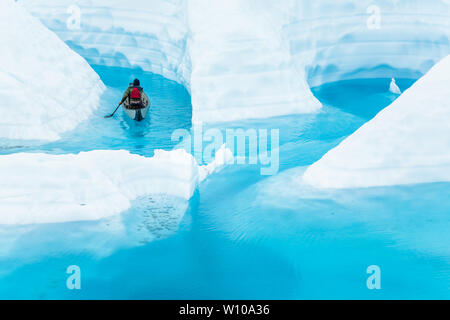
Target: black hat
{"x": 136, "y": 82}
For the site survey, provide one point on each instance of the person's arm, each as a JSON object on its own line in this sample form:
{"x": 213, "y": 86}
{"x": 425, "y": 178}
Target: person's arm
{"x": 125, "y": 96}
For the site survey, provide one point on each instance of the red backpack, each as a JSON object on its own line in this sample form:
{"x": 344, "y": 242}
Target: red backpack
{"x": 135, "y": 99}
{"x": 135, "y": 94}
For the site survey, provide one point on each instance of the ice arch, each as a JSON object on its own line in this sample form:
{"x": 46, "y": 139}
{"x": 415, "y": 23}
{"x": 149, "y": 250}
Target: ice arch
{"x": 365, "y": 39}
{"x": 406, "y": 143}
{"x": 253, "y": 58}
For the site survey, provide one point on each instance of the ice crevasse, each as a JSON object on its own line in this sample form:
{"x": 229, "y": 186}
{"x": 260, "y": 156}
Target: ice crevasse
{"x": 406, "y": 143}
{"x": 254, "y": 58}
{"x": 234, "y": 61}
{"x": 45, "y": 87}
{"x": 44, "y": 188}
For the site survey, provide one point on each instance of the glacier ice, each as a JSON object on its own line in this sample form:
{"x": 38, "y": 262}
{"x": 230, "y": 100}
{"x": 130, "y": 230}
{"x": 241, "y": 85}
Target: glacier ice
{"x": 232, "y": 73}
{"x": 44, "y": 188}
{"x": 393, "y": 87}
{"x": 406, "y": 143}
{"x": 45, "y": 87}
{"x": 152, "y": 217}
{"x": 241, "y": 65}
{"x": 147, "y": 34}
{"x": 248, "y": 59}
{"x": 349, "y": 39}
{"x": 222, "y": 157}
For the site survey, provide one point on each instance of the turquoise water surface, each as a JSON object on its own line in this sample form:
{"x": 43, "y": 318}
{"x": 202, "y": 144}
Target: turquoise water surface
{"x": 242, "y": 235}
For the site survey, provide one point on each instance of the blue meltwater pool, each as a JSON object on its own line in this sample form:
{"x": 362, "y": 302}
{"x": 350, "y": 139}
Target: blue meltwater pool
{"x": 243, "y": 235}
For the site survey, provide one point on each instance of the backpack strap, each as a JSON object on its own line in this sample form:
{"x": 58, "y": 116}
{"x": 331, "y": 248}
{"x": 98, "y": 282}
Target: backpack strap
{"x": 129, "y": 92}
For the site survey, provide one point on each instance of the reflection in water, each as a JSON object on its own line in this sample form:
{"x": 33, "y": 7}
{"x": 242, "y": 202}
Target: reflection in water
{"x": 151, "y": 218}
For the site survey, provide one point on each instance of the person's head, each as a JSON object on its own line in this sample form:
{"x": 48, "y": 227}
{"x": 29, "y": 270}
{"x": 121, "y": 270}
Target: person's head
{"x": 136, "y": 82}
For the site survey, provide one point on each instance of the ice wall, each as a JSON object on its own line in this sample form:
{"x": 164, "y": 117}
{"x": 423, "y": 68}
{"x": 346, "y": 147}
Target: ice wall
{"x": 147, "y": 34}
{"x": 406, "y": 143}
{"x": 43, "y": 188}
{"x": 45, "y": 88}
{"x": 365, "y": 38}
{"x": 235, "y": 64}
{"x": 255, "y": 58}
{"x": 241, "y": 65}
